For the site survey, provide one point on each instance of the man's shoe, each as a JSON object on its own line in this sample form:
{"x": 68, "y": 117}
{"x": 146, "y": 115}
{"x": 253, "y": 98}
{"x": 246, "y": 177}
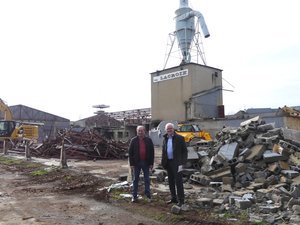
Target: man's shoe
{"x": 134, "y": 200}
{"x": 149, "y": 200}
{"x": 172, "y": 201}
{"x": 179, "y": 204}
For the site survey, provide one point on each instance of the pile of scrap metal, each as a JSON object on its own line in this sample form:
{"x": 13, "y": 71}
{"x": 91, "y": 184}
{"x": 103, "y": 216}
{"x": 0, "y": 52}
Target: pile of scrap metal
{"x": 255, "y": 167}
{"x": 82, "y": 144}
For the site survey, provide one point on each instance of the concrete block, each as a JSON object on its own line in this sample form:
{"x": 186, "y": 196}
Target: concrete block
{"x": 218, "y": 174}
{"x": 232, "y": 199}
{"x": 245, "y": 152}
{"x": 271, "y": 180}
{"x": 159, "y": 174}
{"x": 294, "y": 220}
{"x": 206, "y": 167}
{"x": 295, "y": 159}
{"x": 232, "y": 161}
{"x": 259, "y": 180}
{"x": 202, "y": 153}
{"x": 296, "y": 209}
{"x": 218, "y": 201}
{"x": 215, "y": 184}
{"x": 249, "y": 196}
{"x": 204, "y": 203}
{"x": 266, "y": 140}
{"x": 273, "y": 132}
{"x": 192, "y": 154}
{"x": 227, "y": 188}
{"x": 249, "y": 142}
{"x": 204, "y": 143}
{"x": 268, "y": 209}
{"x": 265, "y": 127}
{"x": 290, "y": 173}
{"x": 241, "y": 167}
{"x": 274, "y": 168}
{"x": 249, "y": 177}
{"x": 256, "y": 152}
{"x": 293, "y": 201}
{"x": 284, "y": 179}
{"x": 220, "y": 159}
{"x": 284, "y": 165}
{"x": 260, "y": 174}
{"x": 201, "y": 179}
{"x": 290, "y": 134}
{"x": 270, "y": 157}
{"x": 227, "y": 180}
{"x": 288, "y": 146}
{"x": 175, "y": 209}
{"x": 255, "y": 186}
{"x": 295, "y": 191}
{"x": 229, "y": 150}
{"x": 259, "y": 164}
{"x": 284, "y": 191}
{"x": 243, "y": 203}
{"x": 254, "y": 120}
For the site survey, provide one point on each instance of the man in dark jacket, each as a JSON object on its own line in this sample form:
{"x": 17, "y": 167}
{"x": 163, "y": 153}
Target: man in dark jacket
{"x": 141, "y": 157}
{"x": 174, "y": 156}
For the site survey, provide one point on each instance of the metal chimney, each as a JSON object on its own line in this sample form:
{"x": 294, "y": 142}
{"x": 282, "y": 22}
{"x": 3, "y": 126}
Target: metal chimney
{"x": 185, "y": 28}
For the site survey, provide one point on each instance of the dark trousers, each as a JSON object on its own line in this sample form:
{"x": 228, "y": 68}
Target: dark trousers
{"x": 142, "y": 165}
{"x": 175, "y": 181}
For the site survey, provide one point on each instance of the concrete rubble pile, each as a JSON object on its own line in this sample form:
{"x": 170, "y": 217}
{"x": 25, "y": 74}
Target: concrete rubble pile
{"x": 82, "y": 144}
{"x": 254, "y": 167}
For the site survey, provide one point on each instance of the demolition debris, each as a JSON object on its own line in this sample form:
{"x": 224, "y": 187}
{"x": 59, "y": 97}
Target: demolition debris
{"x": 80, "y": 144}
{"x": 254, "y": 167}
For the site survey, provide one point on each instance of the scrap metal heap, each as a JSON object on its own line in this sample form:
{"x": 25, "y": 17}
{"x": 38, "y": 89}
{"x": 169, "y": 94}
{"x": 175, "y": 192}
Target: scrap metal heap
{"x": 82, "y": 144}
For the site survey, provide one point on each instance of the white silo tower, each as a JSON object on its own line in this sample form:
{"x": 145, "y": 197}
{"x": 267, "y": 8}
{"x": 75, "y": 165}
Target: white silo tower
{"x": 187, "y": 32}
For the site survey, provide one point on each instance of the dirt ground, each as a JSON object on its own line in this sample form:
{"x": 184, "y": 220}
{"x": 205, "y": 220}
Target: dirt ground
{"x": 38, "y": 191}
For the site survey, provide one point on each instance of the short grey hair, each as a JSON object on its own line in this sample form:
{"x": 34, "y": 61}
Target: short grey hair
{"x": 169, "y": 124}
{"x": 140, "y": 126}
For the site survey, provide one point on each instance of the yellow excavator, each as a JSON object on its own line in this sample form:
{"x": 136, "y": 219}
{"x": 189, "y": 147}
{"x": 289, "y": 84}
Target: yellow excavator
{"x": 12, "y": 130}
{"x": 192, "y": 132}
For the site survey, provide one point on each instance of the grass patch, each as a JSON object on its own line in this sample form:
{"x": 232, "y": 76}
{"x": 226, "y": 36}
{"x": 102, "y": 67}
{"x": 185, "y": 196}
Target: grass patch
{"x": 33, "y": 165}
{"x": 228, "y": 215}
{"x": 259, "y": 223}
{"x": 19, "y": 163}
{"x": 39, "y": 172}
{"x": 8, "y": 161}
{"x": 115, "y": 194}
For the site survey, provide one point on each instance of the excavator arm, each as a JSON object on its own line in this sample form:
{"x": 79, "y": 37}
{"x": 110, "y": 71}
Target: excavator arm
{"x": 13, "y": 130}
{"x": 6, "y": 110}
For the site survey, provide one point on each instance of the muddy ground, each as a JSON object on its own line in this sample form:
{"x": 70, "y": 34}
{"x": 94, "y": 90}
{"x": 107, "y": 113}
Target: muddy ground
{"x": 38, "y": 191}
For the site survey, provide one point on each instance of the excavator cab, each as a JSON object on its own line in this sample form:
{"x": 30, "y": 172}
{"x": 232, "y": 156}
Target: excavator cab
{"x": 14, "y": 130}
{"x": 7, "y": 128}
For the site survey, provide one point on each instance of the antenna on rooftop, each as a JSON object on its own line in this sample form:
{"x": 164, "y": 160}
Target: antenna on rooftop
{"x": 187, "y": 33}
{"x": 101, "y": 107}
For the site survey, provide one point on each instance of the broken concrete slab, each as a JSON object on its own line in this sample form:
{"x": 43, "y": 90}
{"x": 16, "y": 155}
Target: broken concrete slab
{"x": 243, "y": 203}
{"x": 252, "y": 120}
{"x": 205, "y": 203}
{"x": 229, "y": 150}
{"x": 256, "y": 152}
{"x": 293, "y": 135}
{"x": 192, "y": 154}
{"x": 290, "y": 173}
{"x": 217, "y": 175}
{"x": 265, "y": 127}
{"x": 269, "y": 156}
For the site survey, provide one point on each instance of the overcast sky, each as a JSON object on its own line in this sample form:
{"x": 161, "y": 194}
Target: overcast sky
{"x": 64, "y": 56}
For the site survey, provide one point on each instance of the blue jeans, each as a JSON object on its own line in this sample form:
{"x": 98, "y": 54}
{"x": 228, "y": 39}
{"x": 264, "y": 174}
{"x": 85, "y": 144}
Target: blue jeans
{"x": 142, "y": 165}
